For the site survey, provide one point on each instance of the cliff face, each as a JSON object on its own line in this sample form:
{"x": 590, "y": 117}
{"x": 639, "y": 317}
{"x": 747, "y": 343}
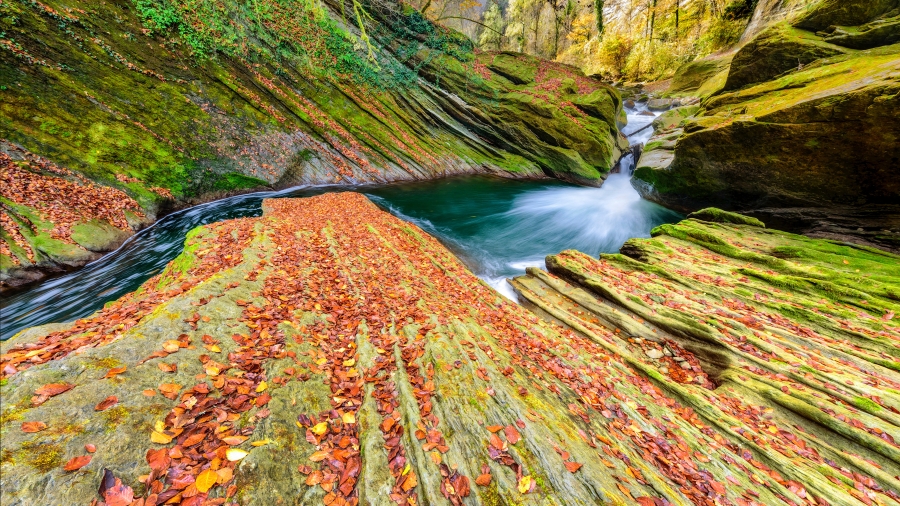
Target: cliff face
{"x": 328, "y": 352}
{"x": 804, "y": 118}
{"x": 169, "y": 102}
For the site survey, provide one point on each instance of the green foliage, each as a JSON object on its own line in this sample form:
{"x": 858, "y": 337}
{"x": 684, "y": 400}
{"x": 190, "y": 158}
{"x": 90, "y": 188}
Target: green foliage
{"x": 723, "y": 32}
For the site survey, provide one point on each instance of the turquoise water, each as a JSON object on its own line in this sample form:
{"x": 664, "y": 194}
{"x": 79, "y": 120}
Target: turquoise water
{"x": 496, "y": 226}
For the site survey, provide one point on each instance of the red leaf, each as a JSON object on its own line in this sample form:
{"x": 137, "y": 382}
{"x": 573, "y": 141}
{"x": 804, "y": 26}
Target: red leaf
{"x": 106, "y": 403}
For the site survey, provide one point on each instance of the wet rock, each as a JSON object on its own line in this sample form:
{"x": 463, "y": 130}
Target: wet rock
{"x": 725, "y": 304}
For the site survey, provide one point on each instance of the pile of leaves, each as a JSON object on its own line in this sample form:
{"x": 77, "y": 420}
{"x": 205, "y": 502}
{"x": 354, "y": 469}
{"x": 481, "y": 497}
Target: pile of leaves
{"x": 59, "y": 197}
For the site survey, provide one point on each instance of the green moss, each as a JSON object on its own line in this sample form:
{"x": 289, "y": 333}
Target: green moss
{"x": 715, "y": 215}
{"x": 43, "y": 457}
{"x": 103, "y": 363}
{"x": 14, "y": 412}
{"x": 866, "y": 404}
{"x": 114, "y": 416}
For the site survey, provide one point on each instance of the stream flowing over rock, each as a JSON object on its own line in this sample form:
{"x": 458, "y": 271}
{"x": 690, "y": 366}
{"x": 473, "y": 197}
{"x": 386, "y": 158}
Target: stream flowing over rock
{"x": 172, "y": 105}
{"x": 328, "y": 352}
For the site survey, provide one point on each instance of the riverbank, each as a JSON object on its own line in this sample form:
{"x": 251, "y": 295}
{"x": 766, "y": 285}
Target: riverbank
{"x": 329, "y": 351}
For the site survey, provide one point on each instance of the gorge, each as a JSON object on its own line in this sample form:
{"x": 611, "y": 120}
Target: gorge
{"x": 294, "y": 252}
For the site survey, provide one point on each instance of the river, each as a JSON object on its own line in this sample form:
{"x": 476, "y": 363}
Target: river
{"x": 497, "y": 227}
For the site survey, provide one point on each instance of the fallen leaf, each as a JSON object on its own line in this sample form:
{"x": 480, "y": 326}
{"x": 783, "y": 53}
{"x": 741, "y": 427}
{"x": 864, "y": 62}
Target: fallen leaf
{"x": 206, "y": 480}
{"x": 52, "y": 389}
{"x": 77, "y": 463}
{"x": 512, "y": 435}
{"x": 106, "y": 403}
{"x": 573, "y": 466}
{"x": 524, "y": 484}
{"x": 409, "y": 482}
{"x": 319, "y": 428}
{"x": 112, "y": 373}
{"x": 118, "y": 495}
{"x": 235, "y": 454}
{"x": 160, "y": 438}
{"x": 319, "y": 456}
{"x": 90, "y": 448}
{"x": 32, "y": 427}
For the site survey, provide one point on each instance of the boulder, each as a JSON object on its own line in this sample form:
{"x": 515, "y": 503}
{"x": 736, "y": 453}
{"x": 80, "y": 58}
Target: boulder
{"x": 777, "y": 50}
{"x": 690, "y": 77}
{"x": 826, "y": 13}
{"x": 824, "y": 136}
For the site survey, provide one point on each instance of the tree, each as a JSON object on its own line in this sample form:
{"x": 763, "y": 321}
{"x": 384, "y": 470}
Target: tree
{"x": 492, "y": 35}
{"x": 598, "y": 11}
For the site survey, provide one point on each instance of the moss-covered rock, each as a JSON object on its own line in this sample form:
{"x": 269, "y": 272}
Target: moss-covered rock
{"x": 692, "y": 76}
{"x": 777, "y": 50}
{"x": 328, "y": 351}
{"x": 823, "y": 14}
{"x": 174, "y": 103}
{"x": 821, "y": 136}
{"x": 734, "y": 319}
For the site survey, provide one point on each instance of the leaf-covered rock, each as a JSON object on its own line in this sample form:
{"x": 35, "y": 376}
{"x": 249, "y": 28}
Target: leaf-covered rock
{"x": 328, "y": 352}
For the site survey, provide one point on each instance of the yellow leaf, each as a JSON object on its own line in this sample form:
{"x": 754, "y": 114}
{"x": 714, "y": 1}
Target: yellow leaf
{"x": 406, "y": 469}
{"x": 159, "y": 426}
{"x": 319, "y": 428}
{"x": 160, "y": 438}
{"x": 261, "y": 387}
{"x": 206, "y": 480}
{"x": 525, "y": 484}
{"x": 212, "y": 371}
{"x": 261, "y": 442}
{"x": 213, "y": 348}
{"x": 349, "y": 363}
{"x": 171, "y": 345}
{"x": 235, "y": 454}
{"x": 321, "y": 361}
{"x": 348, "y": 418}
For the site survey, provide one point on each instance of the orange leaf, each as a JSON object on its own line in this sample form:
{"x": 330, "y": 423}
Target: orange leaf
{"x": 573, "y": 466}
{"x": 112, "y": 373}
{"x": 31, "y": 427}
{"x": 52, "y": 389}
{"x": 512, "y": 435}
{"x": 77, "y": 463}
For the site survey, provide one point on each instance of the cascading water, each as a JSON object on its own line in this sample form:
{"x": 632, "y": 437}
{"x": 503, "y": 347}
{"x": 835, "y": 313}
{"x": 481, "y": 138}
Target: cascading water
{"x": 498, "y": 227}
